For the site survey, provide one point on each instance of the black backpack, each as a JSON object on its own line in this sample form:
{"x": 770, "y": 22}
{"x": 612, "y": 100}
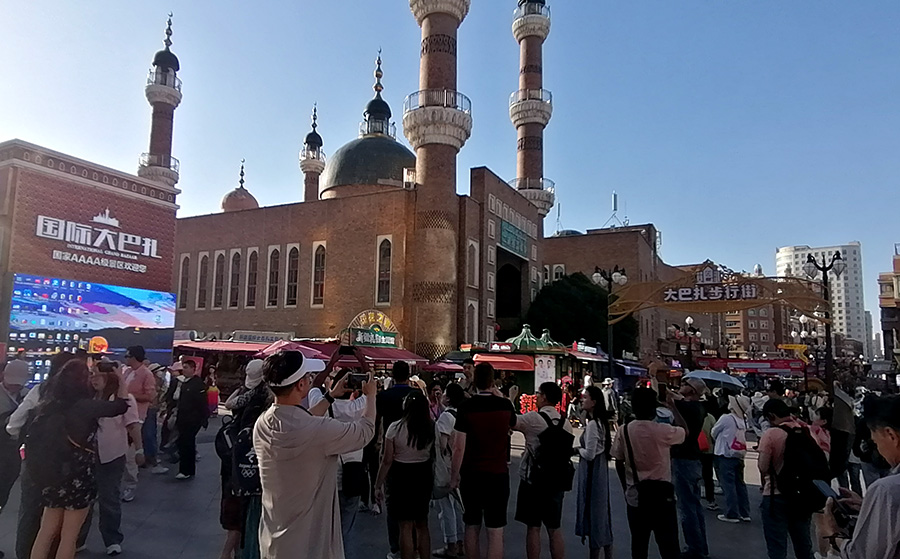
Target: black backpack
{"x": 245, "y": 466}
{"x": 48, "y": 449}
{"x": 551, "y": 464}
{"x": 804, "y": 462}
{"x": 225, "y": 439}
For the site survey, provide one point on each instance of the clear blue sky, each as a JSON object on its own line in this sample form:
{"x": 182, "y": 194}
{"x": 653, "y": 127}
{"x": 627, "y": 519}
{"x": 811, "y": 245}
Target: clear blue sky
{"x": 735, "y": 127}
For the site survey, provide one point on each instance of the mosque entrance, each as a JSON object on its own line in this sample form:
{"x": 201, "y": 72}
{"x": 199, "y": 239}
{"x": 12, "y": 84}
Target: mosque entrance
{"x": 510, "y": 282}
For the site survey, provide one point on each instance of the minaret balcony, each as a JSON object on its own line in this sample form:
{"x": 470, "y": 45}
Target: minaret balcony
{"x": 540, "y": 192}
{"x": 377, "y": 126}
{"x": 424, "y": 8}
{"x": 161, "y": 168}
{"x": 530, "y": 106}
{"x": 437, "y": 116}
{"x": 312, "y": 160}
{"x": 531, "y": 19}
{"x": 163, "y": 86}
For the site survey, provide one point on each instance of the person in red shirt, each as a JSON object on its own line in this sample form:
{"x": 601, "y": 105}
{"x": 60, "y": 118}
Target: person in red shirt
{"x": 479, "y": 465}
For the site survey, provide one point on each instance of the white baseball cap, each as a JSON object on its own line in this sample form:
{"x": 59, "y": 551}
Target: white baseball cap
{"x": 307, "y": 366}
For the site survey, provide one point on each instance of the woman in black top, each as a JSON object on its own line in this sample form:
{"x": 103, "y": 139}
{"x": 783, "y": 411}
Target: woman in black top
{"x": 68, "y": 401}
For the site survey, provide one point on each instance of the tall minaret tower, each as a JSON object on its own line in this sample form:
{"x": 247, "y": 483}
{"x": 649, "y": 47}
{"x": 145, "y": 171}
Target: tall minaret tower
{"x": 531, "y": 106}
{"x": 312, "y": 161}
{"x": 437, "y": 121}
{"x": 163, "y": 92}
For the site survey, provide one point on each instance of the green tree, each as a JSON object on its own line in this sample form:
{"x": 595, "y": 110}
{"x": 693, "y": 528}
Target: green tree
{"x": 574, "y": 308}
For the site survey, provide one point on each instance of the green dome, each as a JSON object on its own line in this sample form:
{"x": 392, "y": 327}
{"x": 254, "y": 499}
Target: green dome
{"x": 525, "y": 342}
{"x": 371, "y": 160}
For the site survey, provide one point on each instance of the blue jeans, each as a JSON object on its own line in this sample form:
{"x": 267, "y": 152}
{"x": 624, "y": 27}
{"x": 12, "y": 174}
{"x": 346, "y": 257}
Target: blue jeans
{"x": 687, "y": 476}
{"x": 109, "y": 478}
{"x": 731, "y": 478}
{"x": 149, "y": 433}
{"x": 778, "y": 524}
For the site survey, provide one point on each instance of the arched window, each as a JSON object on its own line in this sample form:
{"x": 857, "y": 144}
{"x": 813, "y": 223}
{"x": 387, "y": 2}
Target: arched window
{"x": 252, "y": 274}
{"x": 219, "y": 284}
{"x": 558, "y": 272}
{"x": 274, "y": 264}
{"x": 183, "y": 282}
{"x": 203, "y": 283}
{"x": 472, "y": 265}
{"x": 384, "y": 272}
{"x": 293, "y": 274}
{"x": 318, "y": 296}
{"x": 234, "y": 288}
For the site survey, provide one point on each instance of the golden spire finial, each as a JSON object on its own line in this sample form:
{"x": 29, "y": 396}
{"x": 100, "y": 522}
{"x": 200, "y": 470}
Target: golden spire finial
{"x": 168, "y": 39}
{"x": 378, "y": 74}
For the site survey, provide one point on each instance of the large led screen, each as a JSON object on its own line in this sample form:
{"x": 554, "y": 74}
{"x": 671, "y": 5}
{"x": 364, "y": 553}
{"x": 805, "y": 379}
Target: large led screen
{"x": 49, "y": 315}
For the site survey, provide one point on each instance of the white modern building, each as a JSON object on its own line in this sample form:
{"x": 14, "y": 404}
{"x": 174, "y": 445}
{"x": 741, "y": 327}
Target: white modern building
{"x": 869, "y": 344}
{"x": 879, "y": 348}
{"x": 847, "y": 301}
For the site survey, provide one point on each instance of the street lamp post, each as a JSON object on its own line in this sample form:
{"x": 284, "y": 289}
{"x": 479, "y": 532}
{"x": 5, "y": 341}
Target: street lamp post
{"x": 812, "y": 269}
{"x": 691, "y": 333}
{"x": 606, "y": 280}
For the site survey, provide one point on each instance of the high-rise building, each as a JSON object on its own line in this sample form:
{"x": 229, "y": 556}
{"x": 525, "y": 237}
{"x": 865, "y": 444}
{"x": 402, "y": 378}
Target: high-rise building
{"x": 847, "y": 301}
{"x": 868, "y": 346}
{"x": 879, "y": 347}
{"x": 889, "y": 302}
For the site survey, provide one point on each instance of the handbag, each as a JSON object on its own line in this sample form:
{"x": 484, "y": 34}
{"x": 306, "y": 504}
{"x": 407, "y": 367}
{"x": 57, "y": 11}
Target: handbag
{"x": 651, "y": 493}
{"x": 703, "y": 442}
{"x": 737, "y": 445}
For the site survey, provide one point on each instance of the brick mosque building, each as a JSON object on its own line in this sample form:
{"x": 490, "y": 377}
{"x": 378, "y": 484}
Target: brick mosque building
{"x": 85, "y": 224}
{"x": 446, "y": 268}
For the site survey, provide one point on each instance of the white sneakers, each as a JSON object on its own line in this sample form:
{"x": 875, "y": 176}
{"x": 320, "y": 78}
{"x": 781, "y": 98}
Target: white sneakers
{"x": 183, "y": 476}
{"x": 724, "y": 518}
{"x": 158, "y": 470}
{"x": 128, "y": 495}
{"x": 114, "y": 549}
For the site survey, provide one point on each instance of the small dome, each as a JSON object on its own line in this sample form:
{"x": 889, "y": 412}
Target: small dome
{"x": 378, "y": 108}
{"x": 238, "y": 200}
{"x": 313, "y": 140}
{"x": 166, "y": 59}
{"x": 568, "y": 233}
{"x": 369, "y": 160}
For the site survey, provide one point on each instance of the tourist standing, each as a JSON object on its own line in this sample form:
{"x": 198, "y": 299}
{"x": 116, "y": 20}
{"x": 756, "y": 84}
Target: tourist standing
{"x": 298, "y": 460}
{"x": 707, "y": 458}
{"x": 611, "y": 401}
{"x": 448, "y": 502}
{"x": 643, "y": 446}
{"x": 389, "y": 408}
{"x": 12, "y": 394}
{"x": 407, "y": 468}
{"x": 730, "y": 435}
{"x": 780, "y": 520}
{"x": 112, "y": 446}
{"x": 687, "y": 470}
{"x": 592, "y": 515}
{"x": 141, "y": 384}
{"x": 192, "y": 414}
{"x": 61, "y": 457}
{"x": 540, "y": 497}
{"x": 150, "y": 427}
{"x": 435, "y": 400}
{"x": 468, "y": 381}
{"x": 480, "y": 467}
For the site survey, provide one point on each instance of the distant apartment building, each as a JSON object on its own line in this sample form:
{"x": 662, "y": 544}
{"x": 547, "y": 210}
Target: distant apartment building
{"x": 847, "y": 300}
{"x": 889, "y": 302}
{"x": 868, "y": 345}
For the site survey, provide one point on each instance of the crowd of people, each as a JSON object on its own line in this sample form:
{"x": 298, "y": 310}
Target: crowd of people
{"x": 308, "y": 445}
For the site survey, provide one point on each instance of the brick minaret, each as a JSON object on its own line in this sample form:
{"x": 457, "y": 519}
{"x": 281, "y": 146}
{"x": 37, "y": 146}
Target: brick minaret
{"x": 437, "y": 121}
{"x": 163, "y": 92}
{"x": 312, "y": 161}
{"x": 531, "y": 106}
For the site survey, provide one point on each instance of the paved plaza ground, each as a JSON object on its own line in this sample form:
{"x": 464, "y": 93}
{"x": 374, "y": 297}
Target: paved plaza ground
{"x": 175, "y": 519}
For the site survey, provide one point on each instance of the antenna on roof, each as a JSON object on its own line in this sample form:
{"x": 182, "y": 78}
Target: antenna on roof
{"x": 614, "y": 218}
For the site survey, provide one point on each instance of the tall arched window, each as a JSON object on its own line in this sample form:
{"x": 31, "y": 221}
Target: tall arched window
{"x": 472, "y": 265}
{"x": 384, "y": 272}
{"x": 293, "y": 275}
{"x": 252, "y": 274}
{"x": 183, "y": 282}
{"x": 318, "y": 296}
{"x": 203, "y": 283}
{"x": 274, "y": 264}
{"x": 219, "y": 283}
{"x": 234, "y": 288}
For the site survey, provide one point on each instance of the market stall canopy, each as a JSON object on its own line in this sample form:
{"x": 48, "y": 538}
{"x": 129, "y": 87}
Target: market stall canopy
{"x": 375, "y": 355}
{"x": 582, "y": 356}
{"x": 442, "y": 366}
{"x": 506, "y": 362}
{"x": 284, "y": 345}
{"x": 225, "y": 347}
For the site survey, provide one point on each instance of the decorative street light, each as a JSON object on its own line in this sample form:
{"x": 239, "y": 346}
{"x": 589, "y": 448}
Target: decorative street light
{"x": 812, "y": 269}
{"x": 691, "y": 334}
{"x": 606, "y": 280}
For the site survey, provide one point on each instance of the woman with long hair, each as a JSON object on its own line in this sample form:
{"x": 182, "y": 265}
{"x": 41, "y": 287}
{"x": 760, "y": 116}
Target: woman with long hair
{"x": 593, "y": 513}
{"x": 112, "y": 444}
{"x": 62, "y": 444}
{"x": 407, "y": 468}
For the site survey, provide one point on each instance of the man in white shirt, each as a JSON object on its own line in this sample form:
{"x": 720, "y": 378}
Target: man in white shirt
{"x": 298, "y": 460}
{"x": 536, "y": 504}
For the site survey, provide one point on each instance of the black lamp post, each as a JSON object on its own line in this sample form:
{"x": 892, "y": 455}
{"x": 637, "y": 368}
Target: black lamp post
{"x": 691, "y": 333}
{"x": 812, "y": 269}
{"x": 607, "y": 279}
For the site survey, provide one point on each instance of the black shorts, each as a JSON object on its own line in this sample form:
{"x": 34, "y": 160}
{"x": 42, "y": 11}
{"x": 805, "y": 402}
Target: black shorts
{"x": 536, "y": 506}
{"x": 485, "y": 497}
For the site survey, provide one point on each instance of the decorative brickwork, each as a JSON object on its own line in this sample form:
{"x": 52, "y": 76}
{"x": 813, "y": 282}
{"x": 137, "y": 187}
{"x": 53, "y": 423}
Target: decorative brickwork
{"x": 530, "y": 142}
{"x": 434, "y": 220}
{"x": 433, "y": 292}
{"x": 433, "y": 351}
{"x": 439, "y": 44}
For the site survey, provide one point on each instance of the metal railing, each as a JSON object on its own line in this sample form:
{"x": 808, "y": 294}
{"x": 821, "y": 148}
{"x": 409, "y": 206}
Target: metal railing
{"x": 314, "y": 153}
{"x": 378, "y": 127}
{"x": 163, "y": 77}
{"x": 437, "y": 98}
{"x": 167, "y": 161}
{"x": 533, "y": 184}
{"x": 531, "y": 95}
{"x": 531, "y": 9}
